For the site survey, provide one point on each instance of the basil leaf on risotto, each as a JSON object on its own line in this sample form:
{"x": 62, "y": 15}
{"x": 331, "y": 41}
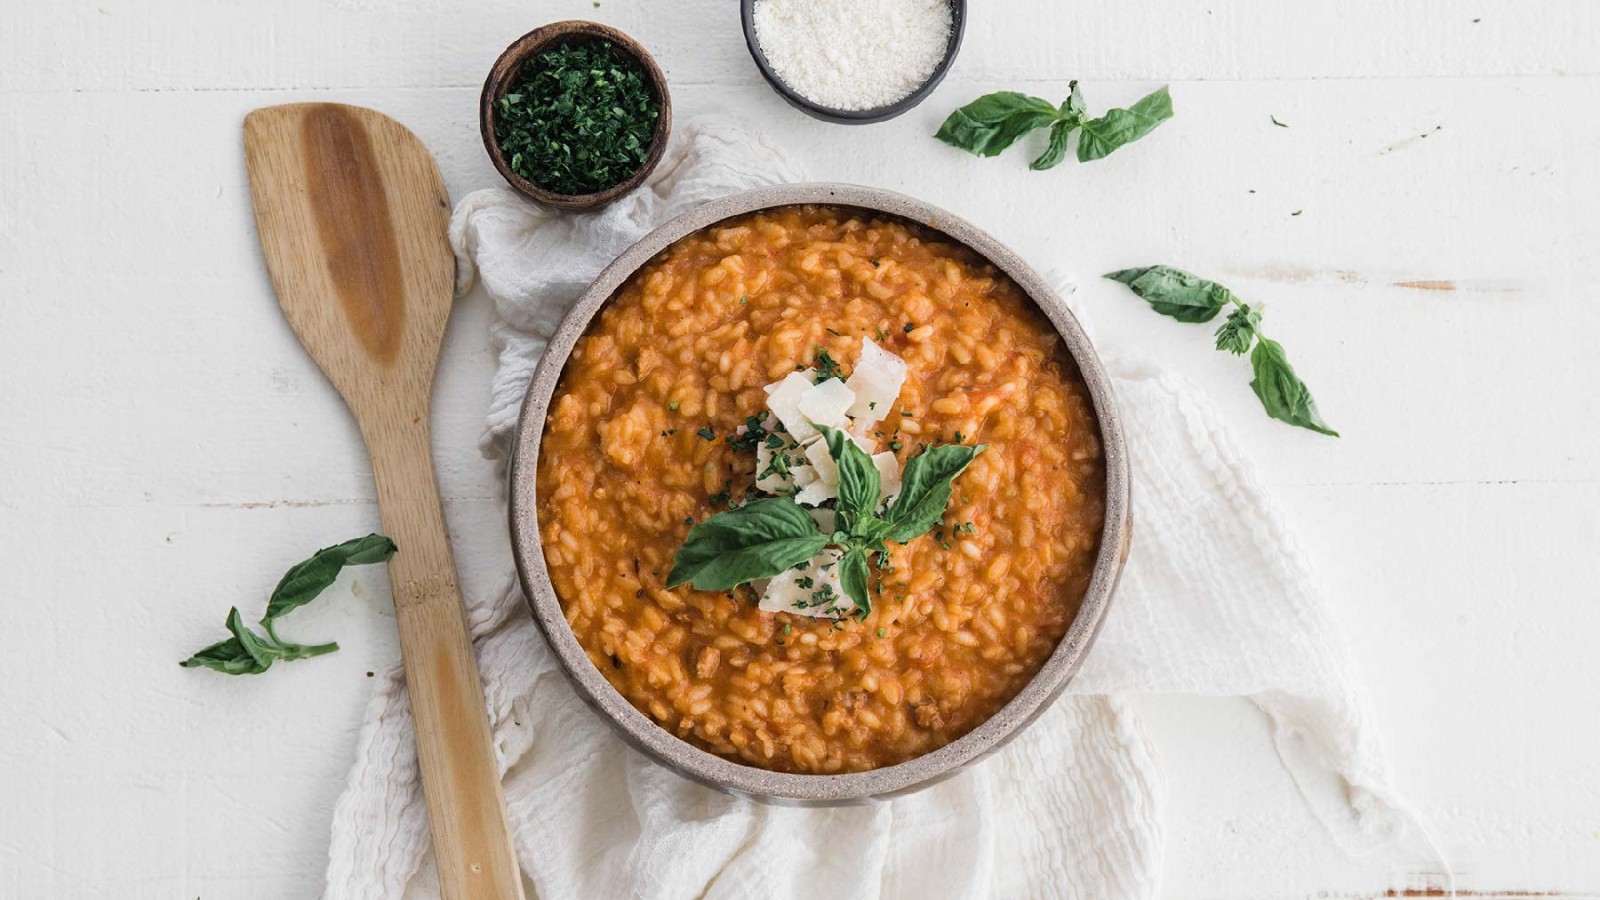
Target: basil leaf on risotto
{"x": 757, "y": 540}
{"x": 925, "y": 489}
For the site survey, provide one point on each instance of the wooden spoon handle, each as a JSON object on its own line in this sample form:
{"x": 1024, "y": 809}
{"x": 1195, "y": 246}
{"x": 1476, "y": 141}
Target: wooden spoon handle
{"x": 460, "y": 777}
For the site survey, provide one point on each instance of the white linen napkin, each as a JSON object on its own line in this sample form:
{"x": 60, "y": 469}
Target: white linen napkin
{"x": 1217, "y": 599}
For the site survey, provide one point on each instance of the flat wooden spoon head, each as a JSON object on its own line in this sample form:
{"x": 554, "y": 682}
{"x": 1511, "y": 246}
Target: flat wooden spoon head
{"x": 353, "y": 216}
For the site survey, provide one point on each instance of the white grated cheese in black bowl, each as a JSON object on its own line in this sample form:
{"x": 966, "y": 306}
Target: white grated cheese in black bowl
{"x": 853, "y": 54}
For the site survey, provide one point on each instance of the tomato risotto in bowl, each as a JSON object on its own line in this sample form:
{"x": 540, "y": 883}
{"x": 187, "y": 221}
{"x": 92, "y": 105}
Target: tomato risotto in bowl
{"x": 819, "y": 494}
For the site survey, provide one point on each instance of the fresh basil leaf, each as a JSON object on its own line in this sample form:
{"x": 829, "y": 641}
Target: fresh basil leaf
{"x": 228, "y": 657}
{"x": 1057, "y": 150}
{"x": 925, "y": 489}
{"x": 1176, "y": 293}
{"x": 246, "y": 653}
{"x": 1119, "y": 127}
{"x": 259, "y": 650}
{"x": 304, "y": 581}
{"x": 859, "y": 481}
{"x": 757, "y": 540}
{"x": 995, "y": 121}
{"x": 1237, "y": 332}
{"x": 1285, "y": 397}
{"x": 853, "y": 578}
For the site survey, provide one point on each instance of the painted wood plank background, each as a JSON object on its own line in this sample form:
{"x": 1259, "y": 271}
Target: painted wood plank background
{"x": 166, "y": 448}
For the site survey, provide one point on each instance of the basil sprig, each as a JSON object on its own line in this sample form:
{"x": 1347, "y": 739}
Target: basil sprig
{"x": 993, "y": 122}
{"x": 764, "y": 538}
{"x": 249, "y": 653}
{"x": 1189, "y": 298}
{"x": 757, "y": 540}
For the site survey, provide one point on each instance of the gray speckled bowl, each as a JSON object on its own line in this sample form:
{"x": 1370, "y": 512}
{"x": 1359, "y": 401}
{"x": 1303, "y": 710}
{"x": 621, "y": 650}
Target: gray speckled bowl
{"x": 815, "y": 790}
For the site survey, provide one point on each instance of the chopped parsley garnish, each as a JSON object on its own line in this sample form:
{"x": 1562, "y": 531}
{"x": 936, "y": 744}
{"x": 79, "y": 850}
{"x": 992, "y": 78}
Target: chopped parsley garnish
{"x": 754, "y": 434}
{"x": 909, "y": 327}
{"x": 673, "y": 406}
{"x": 707, "y": 433}
{"x": 827, "y": 367}
{"x": 578, "y": 119}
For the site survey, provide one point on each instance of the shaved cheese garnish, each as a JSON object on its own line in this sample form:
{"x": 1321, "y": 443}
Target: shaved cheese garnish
{"x": 825, "y": 403}
{"x": 816, "y": 493}
{"x": 888, "y": 475}
{"x": 813, "y": 590}
{"x": 783, "y": 399}
{"x": 822, "y": 461}
{"x": 876, "y": 383}
{"x": 827, "y": 520}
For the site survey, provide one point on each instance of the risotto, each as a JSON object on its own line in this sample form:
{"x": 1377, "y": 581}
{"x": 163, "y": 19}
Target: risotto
{"x": 637, "y": 449}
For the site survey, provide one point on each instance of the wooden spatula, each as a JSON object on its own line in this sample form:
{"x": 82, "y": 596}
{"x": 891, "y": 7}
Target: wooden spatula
{"x": 352, "y": 215}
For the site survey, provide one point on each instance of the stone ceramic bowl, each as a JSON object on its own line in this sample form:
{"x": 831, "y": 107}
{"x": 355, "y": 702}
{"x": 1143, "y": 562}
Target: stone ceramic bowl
{"x": 815, "y": 790}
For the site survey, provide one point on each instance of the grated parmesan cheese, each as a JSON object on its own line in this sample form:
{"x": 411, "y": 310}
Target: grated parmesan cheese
{"x": 853, "y": 54}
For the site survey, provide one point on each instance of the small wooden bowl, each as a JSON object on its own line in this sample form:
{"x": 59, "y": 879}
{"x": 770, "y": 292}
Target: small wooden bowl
{"x": 504, "y": 73}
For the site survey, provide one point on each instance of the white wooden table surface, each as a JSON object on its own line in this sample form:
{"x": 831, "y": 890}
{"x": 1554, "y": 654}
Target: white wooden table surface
{"x": 166, "y": 448}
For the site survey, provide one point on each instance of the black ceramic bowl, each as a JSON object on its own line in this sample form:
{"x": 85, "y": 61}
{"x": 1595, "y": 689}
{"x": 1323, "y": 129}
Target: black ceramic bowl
{"x": 958, "y": 24}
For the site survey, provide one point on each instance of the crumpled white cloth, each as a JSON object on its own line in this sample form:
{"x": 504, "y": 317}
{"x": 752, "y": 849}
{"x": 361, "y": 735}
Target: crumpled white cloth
{"x": 1217, "y": 599}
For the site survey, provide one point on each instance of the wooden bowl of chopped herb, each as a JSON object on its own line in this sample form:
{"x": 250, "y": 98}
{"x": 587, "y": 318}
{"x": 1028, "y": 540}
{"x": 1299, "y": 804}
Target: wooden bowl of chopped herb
{"x": 575, "y": 114}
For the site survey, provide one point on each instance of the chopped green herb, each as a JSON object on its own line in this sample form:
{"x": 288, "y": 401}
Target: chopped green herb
{"x": 754, "y": 433}
{"x": 882, "y": 632}
{"x": 578, "y": 119}
{"x": 673, "y": 406}
{"x": 827, "y": 367}
{"x": 1276, "y": 122}
{"x": 910, "y": 326}
{"x": 834, "y": 333}
{"x": 743, "y": 300}
{"x": 707, "y": 433}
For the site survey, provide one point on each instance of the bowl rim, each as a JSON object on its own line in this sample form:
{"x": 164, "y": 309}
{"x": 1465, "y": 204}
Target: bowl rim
{"x": 779, "y": 787}
{"x": 958, "y": 27}
{"x": 504, "y": 71}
